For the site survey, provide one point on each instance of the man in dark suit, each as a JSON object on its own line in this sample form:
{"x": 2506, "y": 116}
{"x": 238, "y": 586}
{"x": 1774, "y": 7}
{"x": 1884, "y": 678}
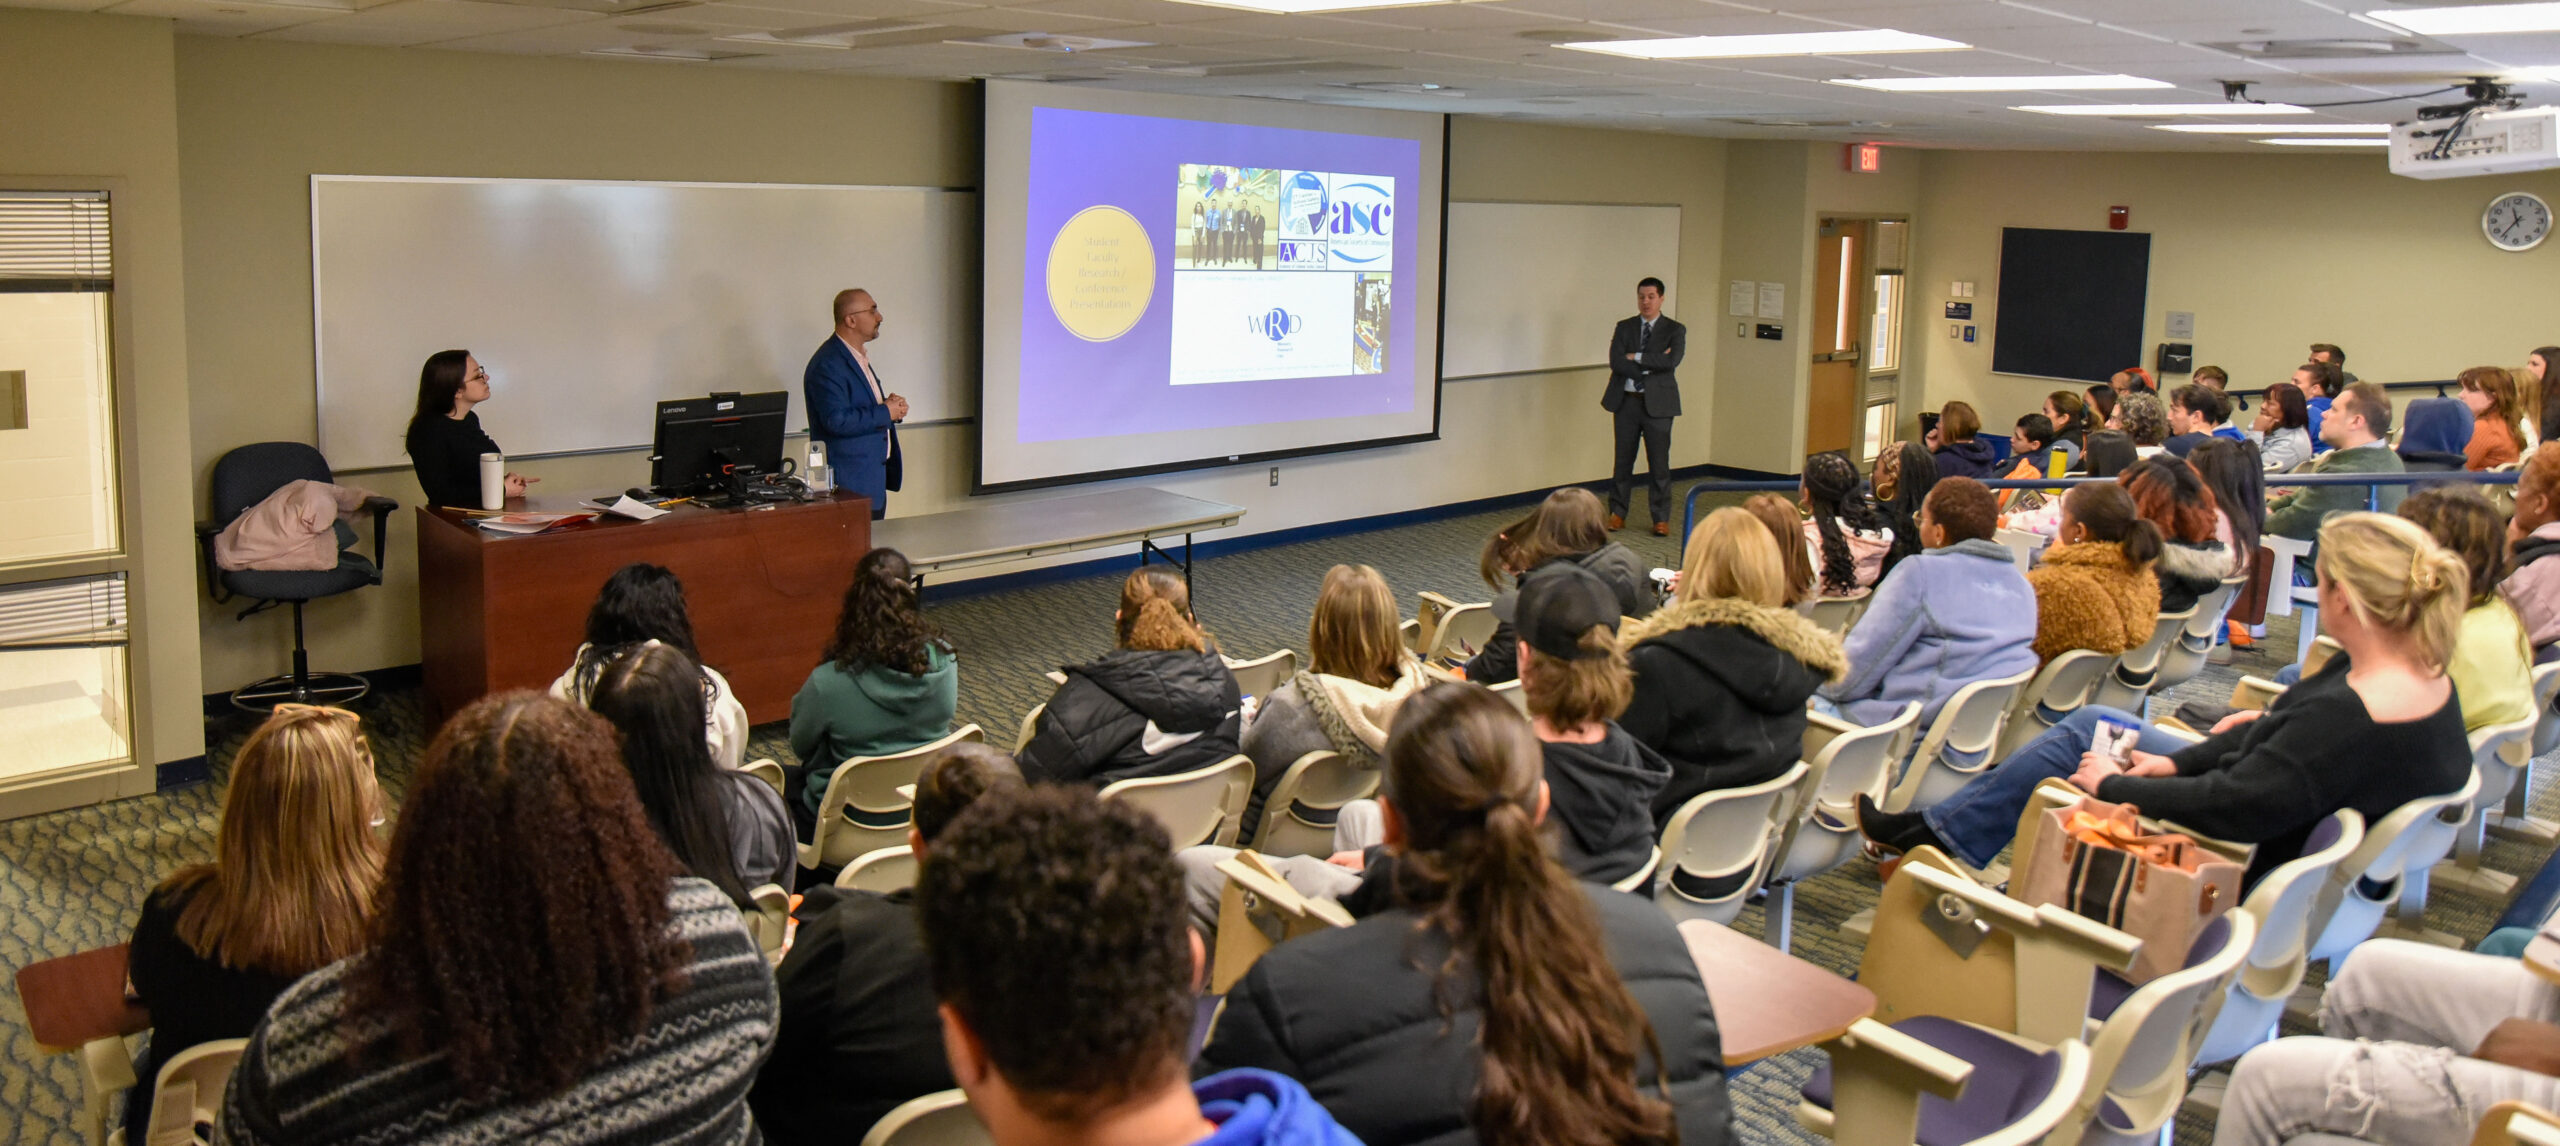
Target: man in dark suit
{"x": 849, "y": 412}
{"x": 1644, "y": 395}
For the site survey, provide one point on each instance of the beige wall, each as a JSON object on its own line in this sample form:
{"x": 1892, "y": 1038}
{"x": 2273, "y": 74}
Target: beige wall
{"x": 257, "y": 120}
{"x": 93, "y": 100}
{"x": 2271, "y": 251}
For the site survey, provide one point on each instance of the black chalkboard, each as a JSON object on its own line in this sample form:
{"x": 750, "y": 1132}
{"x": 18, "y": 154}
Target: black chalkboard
{"x": 2071, "y": 303}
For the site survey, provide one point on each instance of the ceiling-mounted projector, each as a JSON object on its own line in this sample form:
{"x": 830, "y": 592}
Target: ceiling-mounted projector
{"x": 2486, "y": 134}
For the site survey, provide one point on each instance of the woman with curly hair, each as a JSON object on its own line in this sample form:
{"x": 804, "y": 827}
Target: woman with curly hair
{"x": 1845, "y": 533}
{"x": 641, "y": 603}
{"x": 890, "y": 682}
{"x": 2142, "y": 418}
{"x": 1905, "y": 473}
{"x": 537, "y": 964}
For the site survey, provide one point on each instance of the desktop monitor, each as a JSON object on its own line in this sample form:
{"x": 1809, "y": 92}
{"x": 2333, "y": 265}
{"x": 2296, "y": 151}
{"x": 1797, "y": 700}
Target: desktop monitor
{"x": 702, "y": 439}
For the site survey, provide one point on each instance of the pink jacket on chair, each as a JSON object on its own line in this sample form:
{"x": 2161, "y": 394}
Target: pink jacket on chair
{"x": 294, "y": 528}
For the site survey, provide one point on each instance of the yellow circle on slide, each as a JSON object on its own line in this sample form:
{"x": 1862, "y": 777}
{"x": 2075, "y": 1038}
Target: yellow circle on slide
{"x": 1102, "y": 271}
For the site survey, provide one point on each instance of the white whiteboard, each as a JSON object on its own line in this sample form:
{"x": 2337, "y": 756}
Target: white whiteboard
{"x": 1539, "y": 286}
{"x": 590, "y": 301}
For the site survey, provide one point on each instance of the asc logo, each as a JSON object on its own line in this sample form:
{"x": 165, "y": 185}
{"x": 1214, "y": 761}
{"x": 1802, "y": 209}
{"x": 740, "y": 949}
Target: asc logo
{"x": 1275, "y": 324}
{"x": 1361, "y": 225}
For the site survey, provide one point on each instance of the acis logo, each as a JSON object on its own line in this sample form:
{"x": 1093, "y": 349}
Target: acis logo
{"x": 1275, "y": 324}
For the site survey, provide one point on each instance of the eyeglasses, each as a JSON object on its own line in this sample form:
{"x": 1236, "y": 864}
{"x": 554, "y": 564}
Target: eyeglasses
{"x": 864, "y": 310}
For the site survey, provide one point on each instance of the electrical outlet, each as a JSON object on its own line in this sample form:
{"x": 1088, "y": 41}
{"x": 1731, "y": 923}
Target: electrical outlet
{"x": 1275, "y": 475}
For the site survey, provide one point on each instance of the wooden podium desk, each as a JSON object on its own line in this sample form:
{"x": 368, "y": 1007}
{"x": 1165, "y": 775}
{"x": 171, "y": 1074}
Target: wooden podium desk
{"x": 764, "y": 586}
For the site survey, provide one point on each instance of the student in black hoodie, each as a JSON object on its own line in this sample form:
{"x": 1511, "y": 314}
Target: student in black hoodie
{"x": 859, "y": 1033}
{"x": 1722, "y": 673}
{"x": 1956, "y": 448}
{"x": 1600, "y": 781}
{"x": 1161, "y": 704}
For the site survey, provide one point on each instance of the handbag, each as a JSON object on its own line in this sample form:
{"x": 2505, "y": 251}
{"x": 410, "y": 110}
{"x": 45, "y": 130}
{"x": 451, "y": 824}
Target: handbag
{"x": 2096, "y": 859}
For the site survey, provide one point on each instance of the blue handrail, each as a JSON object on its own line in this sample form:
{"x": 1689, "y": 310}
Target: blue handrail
{"x": 1689, "y": 505}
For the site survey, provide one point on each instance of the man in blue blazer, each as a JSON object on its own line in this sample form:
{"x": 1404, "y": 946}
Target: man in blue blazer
{"x": 849, "y": 412}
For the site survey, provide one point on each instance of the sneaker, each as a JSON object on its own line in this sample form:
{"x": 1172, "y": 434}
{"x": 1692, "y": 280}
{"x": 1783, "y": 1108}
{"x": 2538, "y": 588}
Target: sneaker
{"x": 2240, "y": 638}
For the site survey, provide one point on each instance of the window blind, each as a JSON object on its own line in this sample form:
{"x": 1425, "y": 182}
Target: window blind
{"x": 81, "y": 611}
{"x": 54, "y": 240}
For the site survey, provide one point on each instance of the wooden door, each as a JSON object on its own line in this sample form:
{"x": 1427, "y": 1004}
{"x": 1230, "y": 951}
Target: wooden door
{"x": 1837, "y": 388}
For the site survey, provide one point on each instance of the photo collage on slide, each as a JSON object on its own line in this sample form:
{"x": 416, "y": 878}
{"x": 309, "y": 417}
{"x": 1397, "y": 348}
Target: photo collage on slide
{"x": 1280, "y": 274}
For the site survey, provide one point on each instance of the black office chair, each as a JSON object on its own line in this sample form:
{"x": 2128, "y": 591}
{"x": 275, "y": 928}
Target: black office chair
{"x": 243, "y": 478}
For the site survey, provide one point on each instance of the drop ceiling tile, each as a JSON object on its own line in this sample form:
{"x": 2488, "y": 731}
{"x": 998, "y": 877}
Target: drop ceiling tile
{"x": 1455, "y": 17}
{"x": 1949, "y": 20}
{"x": 811, "y": 13}
{"x": 1279, "y": 27}
{"x": 1135, "y": 11}
{"x": 1725, "y": 24}
{"x": 412, "y": 22}
{"x": 219, "y": 17}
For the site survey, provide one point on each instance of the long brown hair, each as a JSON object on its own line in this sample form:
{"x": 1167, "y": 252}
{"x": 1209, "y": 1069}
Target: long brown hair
{"x": 522, "y": 930}
{"x": 2172, "y": 495}
{"x": 1354, "y": 633}
{"x": 297, "y": 862}
{"x": 1561, "y": 1036}
{"x": 2504, "y": 406}
{"x": 1787, "y": 530}
{"x": 1569, "y": 523}
{"x": 2464, "y": 522}
{"x": 882, "y": 622}
{"x": 1155, "y": 612}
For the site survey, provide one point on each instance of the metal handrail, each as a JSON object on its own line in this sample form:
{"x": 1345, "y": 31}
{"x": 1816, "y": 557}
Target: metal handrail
{"x": 2240, "y": 398}
{"x": 1689, "y": 505}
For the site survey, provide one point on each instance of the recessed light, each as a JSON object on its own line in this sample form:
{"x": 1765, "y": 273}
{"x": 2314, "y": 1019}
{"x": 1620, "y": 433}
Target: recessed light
{"x": 1296, "y": 7}
{"x": 2143, "y": 109}
{"x": 2270, "y": 128}
{"x": 1869, "y": 42}
{"x": 2320, "y": 141}
{"x": 2474, "y": 19}
{"x": 2004, "y": 83}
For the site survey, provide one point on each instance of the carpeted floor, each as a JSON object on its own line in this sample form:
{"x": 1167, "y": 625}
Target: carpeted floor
{"x": 74, "y": 880}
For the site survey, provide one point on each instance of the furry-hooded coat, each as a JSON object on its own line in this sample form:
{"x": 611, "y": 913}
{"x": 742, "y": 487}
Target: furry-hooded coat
{"x": 1721, "y": 686}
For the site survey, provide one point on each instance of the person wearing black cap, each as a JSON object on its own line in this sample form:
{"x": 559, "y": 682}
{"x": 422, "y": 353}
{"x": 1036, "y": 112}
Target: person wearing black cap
{"x": 1600, "y": 781}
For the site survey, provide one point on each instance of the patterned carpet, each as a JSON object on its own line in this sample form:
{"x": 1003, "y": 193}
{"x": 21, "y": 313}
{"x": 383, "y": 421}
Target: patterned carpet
{"x": 74, "y": 880}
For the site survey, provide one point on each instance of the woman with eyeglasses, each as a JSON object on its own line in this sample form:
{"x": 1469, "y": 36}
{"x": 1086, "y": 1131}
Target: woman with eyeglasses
{"x": 445, "y": 439}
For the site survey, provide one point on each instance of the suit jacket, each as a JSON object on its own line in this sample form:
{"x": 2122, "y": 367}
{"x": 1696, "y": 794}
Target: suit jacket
{"x": 1655, "y": 369}
{"x": 844, "y": 416}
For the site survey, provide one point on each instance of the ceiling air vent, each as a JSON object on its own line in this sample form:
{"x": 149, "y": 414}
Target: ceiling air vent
{"x": 2333, "y": 48}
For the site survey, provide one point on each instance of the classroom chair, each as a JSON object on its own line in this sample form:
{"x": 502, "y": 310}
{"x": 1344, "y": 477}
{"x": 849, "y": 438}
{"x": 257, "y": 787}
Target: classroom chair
{"x": 187, "y": 1091}
{"x": 1255, "y": 894}
{"x": 2396, "y": 851}
{"x": 1960, "y": 744}
{"x": 1510, "y": 690}
{"x": 2498, "y": 760}
{"x": 2514, "y": 821}
{"x": 2059, "y": 689}
{"x": 2248, "y": 1011}
{"x": 1202, "y": 806}
{"x": 1846, "y": 762}
{"x": 863, "y": 809}
{"x": 243, "y": 478}
{"x": 1299, "y": 814}
{"x": 1263, "y": 675}
{"x": 1837, "y": 614}
{"x": 1451, "y": 631}
{"x": 1717, "y": 848}
{"x": 2513, "y": 1123}
{"x": 2139, "y": 668}
{"x": 942, "y": 1118}
{"x": 769, "y": 923}
{"x": 2184, "y": 656}
{"x": 767, "y": 771}
{"x": 882, "y": 871}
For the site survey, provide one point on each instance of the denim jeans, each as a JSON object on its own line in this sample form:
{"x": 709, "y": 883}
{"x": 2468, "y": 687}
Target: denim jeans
{"x": 1982, "y": 818}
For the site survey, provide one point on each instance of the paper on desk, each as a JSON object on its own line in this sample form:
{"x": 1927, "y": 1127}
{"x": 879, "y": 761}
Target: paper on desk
{"x": 526, "y": 523}
{"x": 626, "y": 505}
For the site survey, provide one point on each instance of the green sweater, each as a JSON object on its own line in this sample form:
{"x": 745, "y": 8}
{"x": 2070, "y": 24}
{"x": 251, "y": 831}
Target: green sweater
{"x": 2298, "y": 514}
{"x": 870, "y": 711}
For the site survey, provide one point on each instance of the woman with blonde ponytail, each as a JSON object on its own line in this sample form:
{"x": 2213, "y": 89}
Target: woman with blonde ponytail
{"x": 1160, "y": 704}
{"x": 1484, "y": 996}
{"x": 2377, "y": 727}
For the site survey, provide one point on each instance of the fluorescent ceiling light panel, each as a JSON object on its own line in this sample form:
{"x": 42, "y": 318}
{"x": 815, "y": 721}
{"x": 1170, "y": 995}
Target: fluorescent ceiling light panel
{"x": 2317, "y": 141}
{"x": 2143, "y": 109}
{"x": 2074, "y": 83}
{"x": 2273, "y": 128}
{"x": 1294, "y": 7}
{"x": 2473, "y": 20}
{"x": 1870, "y": 42}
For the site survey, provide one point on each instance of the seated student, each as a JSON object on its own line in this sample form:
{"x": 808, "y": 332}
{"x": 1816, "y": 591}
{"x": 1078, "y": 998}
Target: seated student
{"x": 1053, "y": 925}
{"x": 2282, "y": 428}
{"x": 2497, "y": 425}
{"x": 1848, "y": 534}
{"x": 2170, "y": 494}
{"x": 2213, "y": 376}
{"x": 2031, "y": 447}
{"x": 1575, "y": 677}
{"x": 890, "y": 682}
{"x": 643, "y": 602}
{"x": 2239, "y": 486}
{"x": 2094, "y": 588}
{"x": 1955, "y": 447}
{"x": 2068, "y": 413}
{"x": 2379, "y": 725}
{"x": 1567, "y": 526}
{"x": 1161, "y": 704}
{"x": 725, "y": 827}
{"x": 2197, "y": 412}
{"x": 2142, "y": 418}
{"x": 1957, "y": 613}
{"x": 2532, "y": 583}
{"x": 1358, "y": 671}
{"x": 1588, "y": 1026}
{"x": 2419, "y": 1042}
{"x": 445, "y": 440}
{"x": 1786, "y": 527}
{"x": 2321, "y": 383}
{"x": 1905, "y": 473}
{"x": 538, "y": 961}
{"x": 2435, "y": 435}
{"x": 1723, "y": 671}
{"x": 859, "y": 1033}
{"x": 2108, "y": 454}
{"x": 2492, "y": 665}
{"x": 2102, "y": 408}
{"x": 2329, "y": 355}
{"x": 290, "y": 890}
{"x": 2355, "y": 428}
{"x": 2133, "y": 380}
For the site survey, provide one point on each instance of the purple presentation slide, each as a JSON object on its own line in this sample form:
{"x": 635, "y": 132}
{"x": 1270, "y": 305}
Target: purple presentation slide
{"x": 1185, "y": 275}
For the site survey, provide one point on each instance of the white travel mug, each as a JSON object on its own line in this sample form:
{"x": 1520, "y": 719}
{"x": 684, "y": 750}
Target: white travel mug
{"x": 493, "y": 481}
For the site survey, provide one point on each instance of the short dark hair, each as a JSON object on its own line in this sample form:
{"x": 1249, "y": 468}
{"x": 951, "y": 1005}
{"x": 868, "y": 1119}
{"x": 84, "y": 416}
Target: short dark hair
{"x": 1964, "y": 508}
{"x": 1056, "y": 926}
{"x": 2325, "y": 375}
{"x": 2198, "y": 398}
{"x": 2216, "y": 373}
{"x": 2331, "y": 349}
{"x": 955, "y": 779}
{"x": 2373, "y": 403}
{"x": 1650, "y": 281}
{"x": 2038, "y": 429}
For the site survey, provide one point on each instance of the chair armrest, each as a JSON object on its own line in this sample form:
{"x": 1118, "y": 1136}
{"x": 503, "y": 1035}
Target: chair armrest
{"x": 206, "y": 531}
{"x": 380, "y": 507}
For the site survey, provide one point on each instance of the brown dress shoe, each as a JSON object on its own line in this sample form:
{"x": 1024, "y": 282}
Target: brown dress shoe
{"x": 1616, "y": 523}
{"x": 1662, "y": 529}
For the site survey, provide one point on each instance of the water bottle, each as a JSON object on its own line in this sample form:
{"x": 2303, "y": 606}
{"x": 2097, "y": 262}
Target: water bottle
{"x": 817, "y": 477}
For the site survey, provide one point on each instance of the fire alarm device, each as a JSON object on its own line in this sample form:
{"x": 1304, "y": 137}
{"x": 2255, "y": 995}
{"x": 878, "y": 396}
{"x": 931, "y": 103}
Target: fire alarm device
{"x": 2118, "y": 218}
{"x": 1866, "y": 158}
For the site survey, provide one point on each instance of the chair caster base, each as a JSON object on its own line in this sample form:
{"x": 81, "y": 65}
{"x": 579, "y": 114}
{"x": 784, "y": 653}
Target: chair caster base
{"x": 328, "y": 688}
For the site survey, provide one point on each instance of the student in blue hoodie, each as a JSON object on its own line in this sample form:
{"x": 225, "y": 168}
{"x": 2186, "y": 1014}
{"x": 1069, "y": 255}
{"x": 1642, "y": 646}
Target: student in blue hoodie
{"x": 1957, "y": 612}
{"x": 1058, "y": 937}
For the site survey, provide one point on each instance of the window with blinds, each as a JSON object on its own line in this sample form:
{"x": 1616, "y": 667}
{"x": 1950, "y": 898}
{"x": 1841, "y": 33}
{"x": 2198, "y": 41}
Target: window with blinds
{"x": 58, "y": 471}
{"x": 63, "y": 679}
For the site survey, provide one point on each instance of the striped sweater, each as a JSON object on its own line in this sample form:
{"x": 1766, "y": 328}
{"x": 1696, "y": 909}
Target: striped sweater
{"x": 309, "y": 1076}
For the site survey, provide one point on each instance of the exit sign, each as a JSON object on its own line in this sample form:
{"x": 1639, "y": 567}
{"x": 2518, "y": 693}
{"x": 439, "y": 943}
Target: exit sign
{"x": 1866, "y": 158}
